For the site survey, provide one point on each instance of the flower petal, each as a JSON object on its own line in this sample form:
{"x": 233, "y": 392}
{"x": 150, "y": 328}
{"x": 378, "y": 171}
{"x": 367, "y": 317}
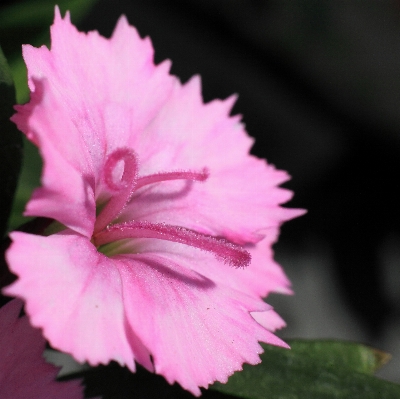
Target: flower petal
{"x": 259, "y": 279}
{"x": 74, "y": 294}
{"x": 262, "y": 277}
{"x": 79, "y": 114}
{"x": 67, "y": 192}
{"x": 198, "y": 331}
{"x": 241, "y": 195}
{"x": 88, "y": 69}
{"x": 270, "y": 320}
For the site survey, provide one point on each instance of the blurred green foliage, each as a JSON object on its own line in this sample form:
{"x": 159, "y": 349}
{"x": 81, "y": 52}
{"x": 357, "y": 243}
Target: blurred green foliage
{"x": 10, "y": 144}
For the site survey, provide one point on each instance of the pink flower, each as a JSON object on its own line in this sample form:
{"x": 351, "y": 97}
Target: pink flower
{"x": 161, "y": 249}
{"x": 23, "y": 371}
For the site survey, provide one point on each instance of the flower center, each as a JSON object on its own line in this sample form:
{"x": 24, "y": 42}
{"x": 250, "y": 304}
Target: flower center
{"x": 122, "y": 180}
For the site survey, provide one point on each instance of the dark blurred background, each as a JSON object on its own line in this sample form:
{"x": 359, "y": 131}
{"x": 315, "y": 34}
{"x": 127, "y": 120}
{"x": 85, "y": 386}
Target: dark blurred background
{"x": 319, "y": 89}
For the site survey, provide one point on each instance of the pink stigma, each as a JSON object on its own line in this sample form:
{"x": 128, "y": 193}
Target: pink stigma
{"x": 122, "y": 187}
{"x": 229, "y": 253}
{"x": 120, "y": 175}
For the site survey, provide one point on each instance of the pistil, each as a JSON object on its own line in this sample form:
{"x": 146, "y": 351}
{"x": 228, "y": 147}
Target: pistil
{"x": 122, "y": 189}
{"x": 121, "y": 179}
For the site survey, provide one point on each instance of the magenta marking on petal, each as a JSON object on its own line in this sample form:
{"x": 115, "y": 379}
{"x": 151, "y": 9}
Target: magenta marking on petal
{"x": 177, "y": 175}
{"x": 231, "y": 254}
{"x": 122, "y": 187}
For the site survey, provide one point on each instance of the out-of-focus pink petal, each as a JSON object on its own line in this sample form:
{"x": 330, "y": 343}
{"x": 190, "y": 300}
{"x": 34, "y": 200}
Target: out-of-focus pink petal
{"x": 196, "y": 347}
{"x": 23, "y": 371}
{"x": 74, "y": 294}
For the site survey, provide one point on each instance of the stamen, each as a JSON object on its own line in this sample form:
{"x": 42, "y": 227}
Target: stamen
{"x": 177, "y": 175}
{"x": 122, "y": 187}
{"x": 231, "y": 254}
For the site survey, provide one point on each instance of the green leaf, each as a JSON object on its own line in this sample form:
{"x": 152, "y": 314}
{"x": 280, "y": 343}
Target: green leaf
{"x": 10, "y": 144}
{"x": 310, "y": 370}
{"x": 313, "y": 370}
